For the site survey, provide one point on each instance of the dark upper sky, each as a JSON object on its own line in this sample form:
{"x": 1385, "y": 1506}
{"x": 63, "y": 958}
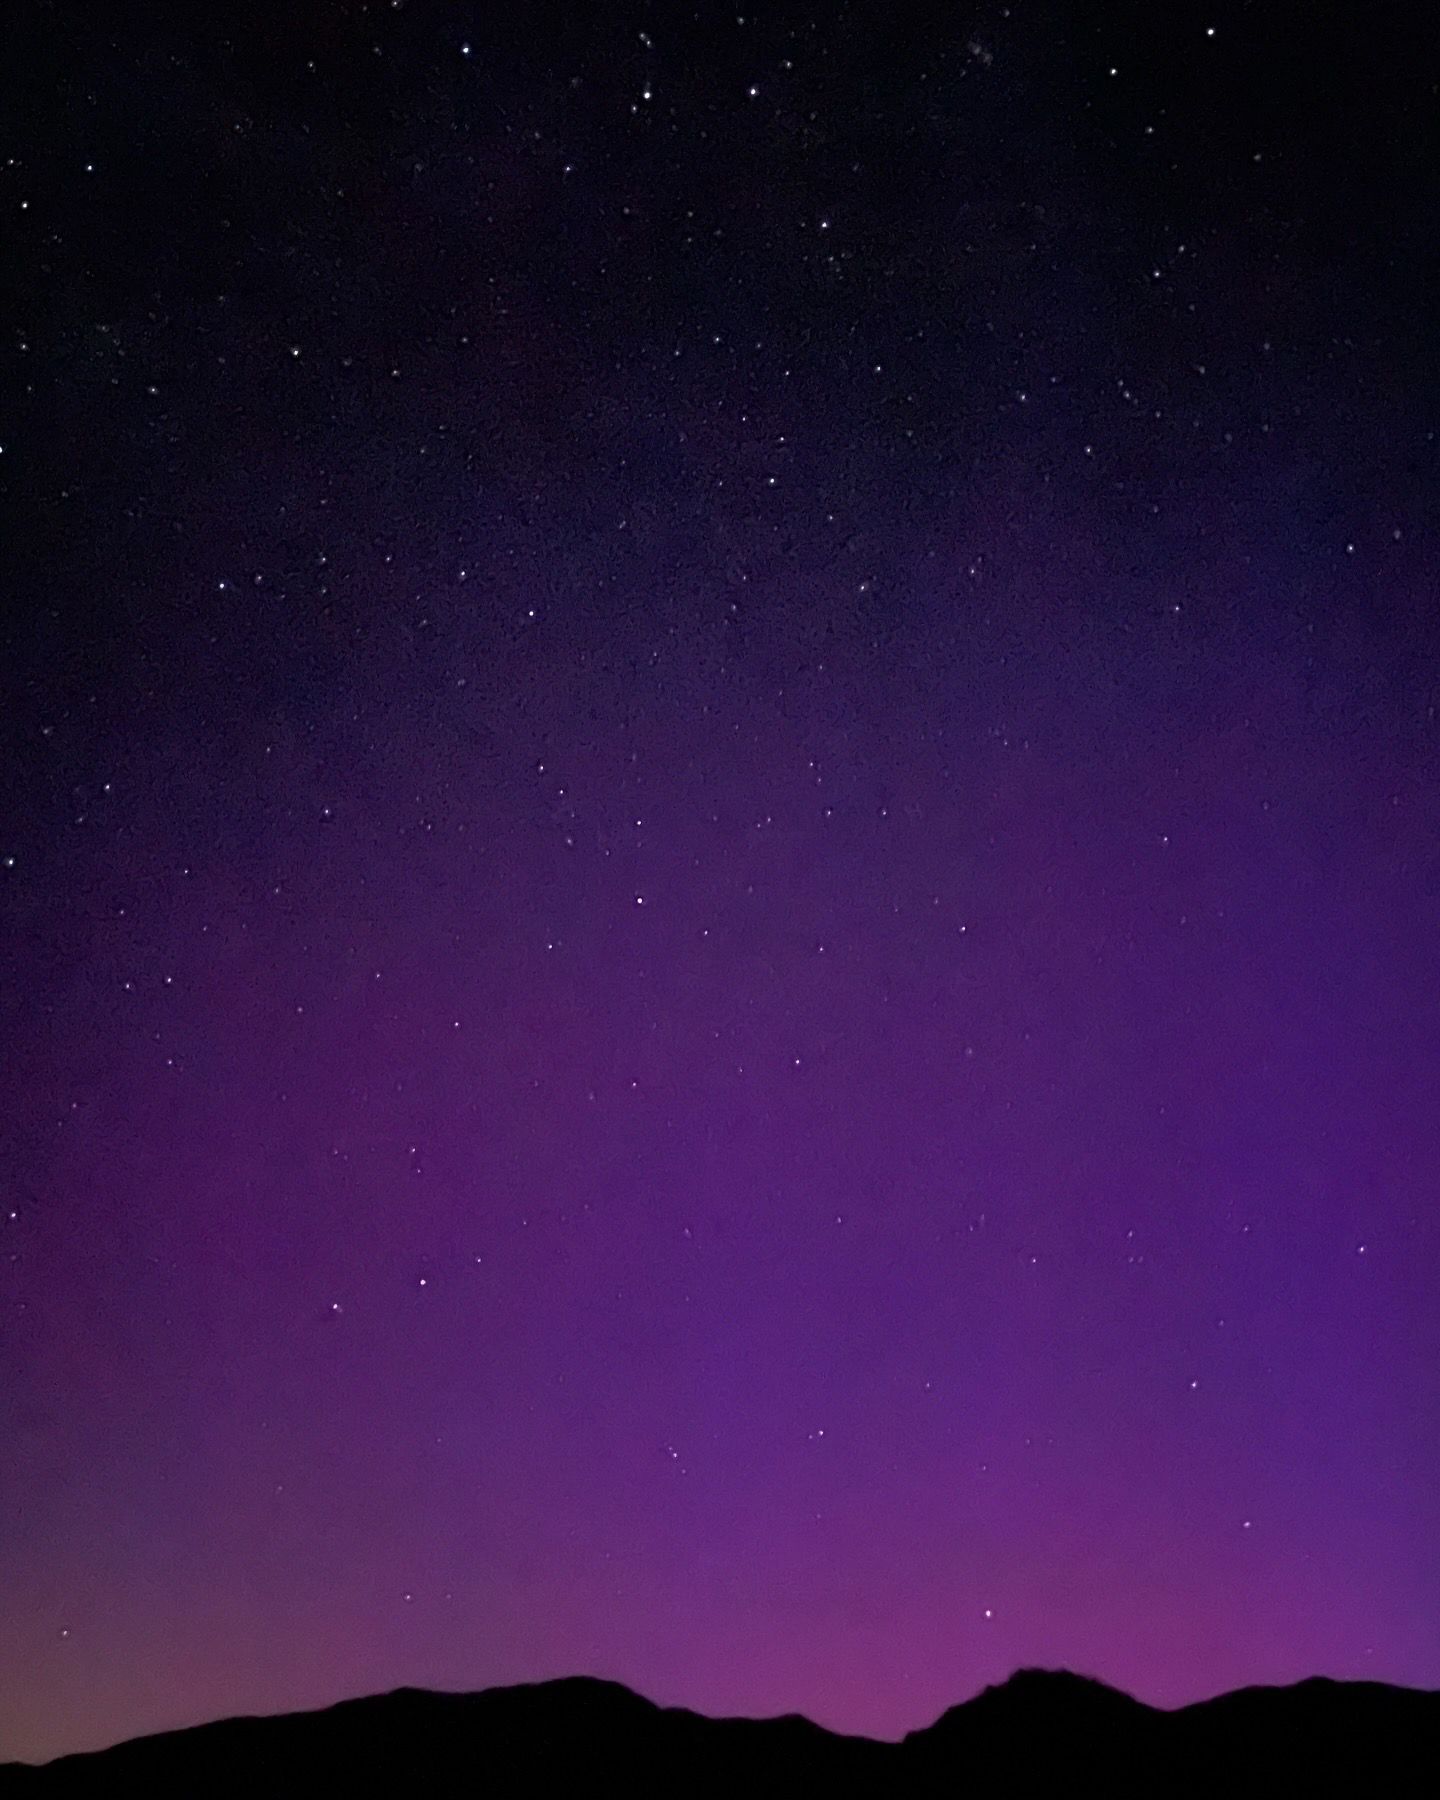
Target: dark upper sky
{"x": 721, "y": 853}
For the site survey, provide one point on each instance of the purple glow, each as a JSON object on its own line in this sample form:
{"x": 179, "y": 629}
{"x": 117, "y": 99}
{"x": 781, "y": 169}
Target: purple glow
{"x": 796, "y": 1096}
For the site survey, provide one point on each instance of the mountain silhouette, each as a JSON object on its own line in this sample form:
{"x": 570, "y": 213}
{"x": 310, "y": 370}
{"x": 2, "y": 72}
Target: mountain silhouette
{"x": 1041, "y": 1732}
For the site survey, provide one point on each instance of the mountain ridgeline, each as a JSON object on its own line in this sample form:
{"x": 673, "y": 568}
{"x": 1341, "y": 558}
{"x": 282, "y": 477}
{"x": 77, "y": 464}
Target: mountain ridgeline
{"x": 1041, "y": 1732}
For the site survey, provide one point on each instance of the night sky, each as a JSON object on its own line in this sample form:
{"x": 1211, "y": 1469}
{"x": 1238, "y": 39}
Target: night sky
{"x": 719, "y": 853}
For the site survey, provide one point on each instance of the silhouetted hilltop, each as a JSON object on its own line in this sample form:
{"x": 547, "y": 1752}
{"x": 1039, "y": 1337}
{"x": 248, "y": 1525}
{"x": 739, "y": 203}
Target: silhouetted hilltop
{"x": 1041, "y": 1732}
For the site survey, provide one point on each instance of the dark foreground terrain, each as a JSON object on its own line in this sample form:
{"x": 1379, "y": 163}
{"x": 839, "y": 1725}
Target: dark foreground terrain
{"x": 1041, "y": 1733}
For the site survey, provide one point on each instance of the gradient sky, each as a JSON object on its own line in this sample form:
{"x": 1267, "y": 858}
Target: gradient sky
{"x": 721, "y": 855}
